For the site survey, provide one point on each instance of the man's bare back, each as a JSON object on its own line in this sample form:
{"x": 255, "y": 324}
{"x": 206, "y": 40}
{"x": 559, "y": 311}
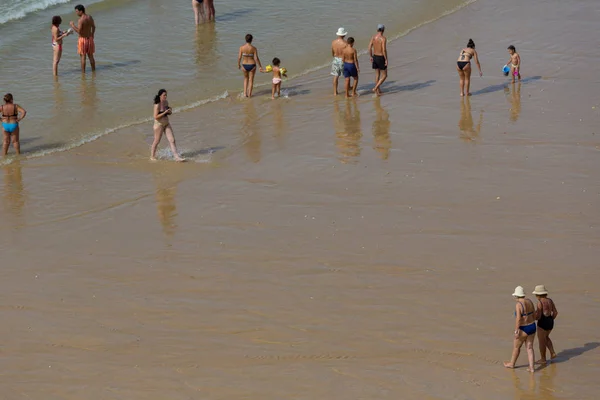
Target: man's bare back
{"x": 337, "y": 47}
{"x": 378, "y": 43}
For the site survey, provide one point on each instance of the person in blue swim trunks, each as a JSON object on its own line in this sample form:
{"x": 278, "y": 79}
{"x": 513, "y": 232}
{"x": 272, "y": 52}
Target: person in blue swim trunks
{"x": 524, "y": 329}
{"x": 12, "y": 114}
{"x": 351, "y": 67}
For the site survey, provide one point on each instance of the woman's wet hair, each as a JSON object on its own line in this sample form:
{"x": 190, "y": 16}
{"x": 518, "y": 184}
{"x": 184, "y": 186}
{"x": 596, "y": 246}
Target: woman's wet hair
{"x": 8, "y": 98}
{"x": 276, "y": 61}
{"x": 248, "y": 38}
{"x": 157, "y": 97}
{"x": 471, "y": 44}
{"x": 350, "y": 40}
{"x": 511, "y": 47}
{"x": 56, "y": 20}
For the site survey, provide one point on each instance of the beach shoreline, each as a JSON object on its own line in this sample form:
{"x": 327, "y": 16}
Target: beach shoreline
{"x": 319, "y": 248}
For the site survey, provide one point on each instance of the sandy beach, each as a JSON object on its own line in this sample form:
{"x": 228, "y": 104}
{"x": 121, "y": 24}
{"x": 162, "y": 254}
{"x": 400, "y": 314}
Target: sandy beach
{"x": 321, "y": 248}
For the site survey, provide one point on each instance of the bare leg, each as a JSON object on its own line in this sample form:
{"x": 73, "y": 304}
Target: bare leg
{"x": 92, "y": 62}
{"x": 550, "y": 345}
{"x": 530, "y": 352}
{"x": 279, "y": 89}
{"x": 211, "y": 9}
{"x": 246, "y": 79}
{"x": 517, "y": 343}
{"x": 158, "y": 132}
{"x": 376, "y": 80}
{"x": 56, "y": 60}
{"x": 461, "y": 78}
{"x": 542, "y": 334}
{"x": 467, "y": 71}
{"x": 15, "y": 140}
{"x": 171, "y": 138}
{"x": 82, "y": 58}
{"x": 273, "y": 90}
{"x": 251, "y": 81}
{"x": 5, "y": 143}
{"x": 380, "y": 81}
{"x": 347, "y": 86}
{"x": 335, "y": 85}
{"x": 355, "y": 86}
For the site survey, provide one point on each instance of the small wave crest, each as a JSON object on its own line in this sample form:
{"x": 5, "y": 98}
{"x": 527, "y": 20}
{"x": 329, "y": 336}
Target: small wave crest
{"x": 19, "y": 9}
{"x": 44, "y": 151}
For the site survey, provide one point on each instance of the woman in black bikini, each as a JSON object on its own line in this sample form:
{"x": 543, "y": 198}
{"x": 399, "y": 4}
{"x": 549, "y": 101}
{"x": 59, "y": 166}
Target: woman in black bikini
{"x": 463, "y": 66}
{"x": 545, "y": 314}
{"x": 524, "y": 329}
{"x": 247, "y": 59}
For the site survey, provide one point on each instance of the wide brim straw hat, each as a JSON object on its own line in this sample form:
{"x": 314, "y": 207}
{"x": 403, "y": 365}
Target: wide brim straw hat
{"x": 341, "y": 32}
{"x": 540, "y": 289}
{"x": 519, "y": 292}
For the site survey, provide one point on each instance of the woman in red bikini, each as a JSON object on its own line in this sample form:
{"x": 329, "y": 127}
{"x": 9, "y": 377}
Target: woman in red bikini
{"x": 57, "y": 41}
{"x": 463, "y": 66}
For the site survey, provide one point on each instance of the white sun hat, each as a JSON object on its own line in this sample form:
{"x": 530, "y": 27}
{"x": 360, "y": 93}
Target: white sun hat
{"x": 341, "y": 32}
{"x": 540, "y": 289}
{"x": 519, "y": 292}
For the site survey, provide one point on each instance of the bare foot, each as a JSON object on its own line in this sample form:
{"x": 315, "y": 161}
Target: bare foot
{"x": 153, "y": 159}
{"x": 462, "y": 95}
{"x": 508, "y": 365}
{"x": 348, "y": 96}
{"x": 469, "y": 94}
{"x": 354, "y": 94}
{"x": 530, "y": 370}
{"x": 272, "y": 97}
{"x": 179, "y": 159}
{"x": 541, "y": 362}
{"x": 552, "y": 356}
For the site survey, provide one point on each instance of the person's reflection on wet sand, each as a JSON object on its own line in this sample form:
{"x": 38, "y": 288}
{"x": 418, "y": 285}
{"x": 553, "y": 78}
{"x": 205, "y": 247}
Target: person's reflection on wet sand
{"x": 59, "y": 100}
{"x": 279, "y": 124}
{"x": 89, "y": 97}
{"x": 465, "y": 124}
{"x": 515, "y": 100}
{"x": 348, "y": 137}
{"x": 206, "y": 38}
{"x": 381, "y": 130}
{"x": 165, "y": 203}
{"x": 524, "y": 390}
{"x": 251, "y": 138}
{"x": 13, "y": 193}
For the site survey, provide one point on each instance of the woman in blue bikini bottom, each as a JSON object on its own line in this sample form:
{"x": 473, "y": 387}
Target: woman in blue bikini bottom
{"x": 10, "y": 123}
{"x": 524, "y": 329}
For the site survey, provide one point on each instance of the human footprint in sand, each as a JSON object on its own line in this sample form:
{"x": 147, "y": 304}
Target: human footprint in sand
{"x": 545, "y": 314}
{"x": 524, "y": 328}
{"x": 463, "y": 66}
{"x": 351, "y": 67}
{"x": 162, "y": 125}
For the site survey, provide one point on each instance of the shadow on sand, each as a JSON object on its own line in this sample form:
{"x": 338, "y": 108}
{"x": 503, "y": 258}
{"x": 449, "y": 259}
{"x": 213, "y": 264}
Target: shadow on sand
{"x": 104, "y": 67}
{"x": 501, "y": 86}
{"x": 208, "y": 150}
{"x": 567, "y": 354}
{"x": 290, "y": 91}
{"x": 227, "y": 17}
{"x": 395, "y": 87}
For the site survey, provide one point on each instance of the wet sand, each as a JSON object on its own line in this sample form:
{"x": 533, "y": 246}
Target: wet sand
{"x": 361, "y": 249}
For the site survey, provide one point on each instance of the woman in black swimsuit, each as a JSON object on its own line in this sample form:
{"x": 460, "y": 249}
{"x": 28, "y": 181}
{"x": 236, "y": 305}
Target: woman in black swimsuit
{"x": 463, "y": 66}
{"x": 545, "y": 314}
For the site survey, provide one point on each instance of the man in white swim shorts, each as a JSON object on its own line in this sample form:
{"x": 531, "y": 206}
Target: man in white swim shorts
{"x": 337, "y": 50}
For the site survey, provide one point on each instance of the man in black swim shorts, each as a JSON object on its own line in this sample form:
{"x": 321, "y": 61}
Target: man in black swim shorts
{"x": 378, "y": 53}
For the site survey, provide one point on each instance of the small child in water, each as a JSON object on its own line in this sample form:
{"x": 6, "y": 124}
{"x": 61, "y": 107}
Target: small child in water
{"x": 514, "y": 62}
{"x": 278, "y": 72}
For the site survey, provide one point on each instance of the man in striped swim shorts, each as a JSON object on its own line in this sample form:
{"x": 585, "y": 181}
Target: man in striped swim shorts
{"x": 86, "y": 28}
